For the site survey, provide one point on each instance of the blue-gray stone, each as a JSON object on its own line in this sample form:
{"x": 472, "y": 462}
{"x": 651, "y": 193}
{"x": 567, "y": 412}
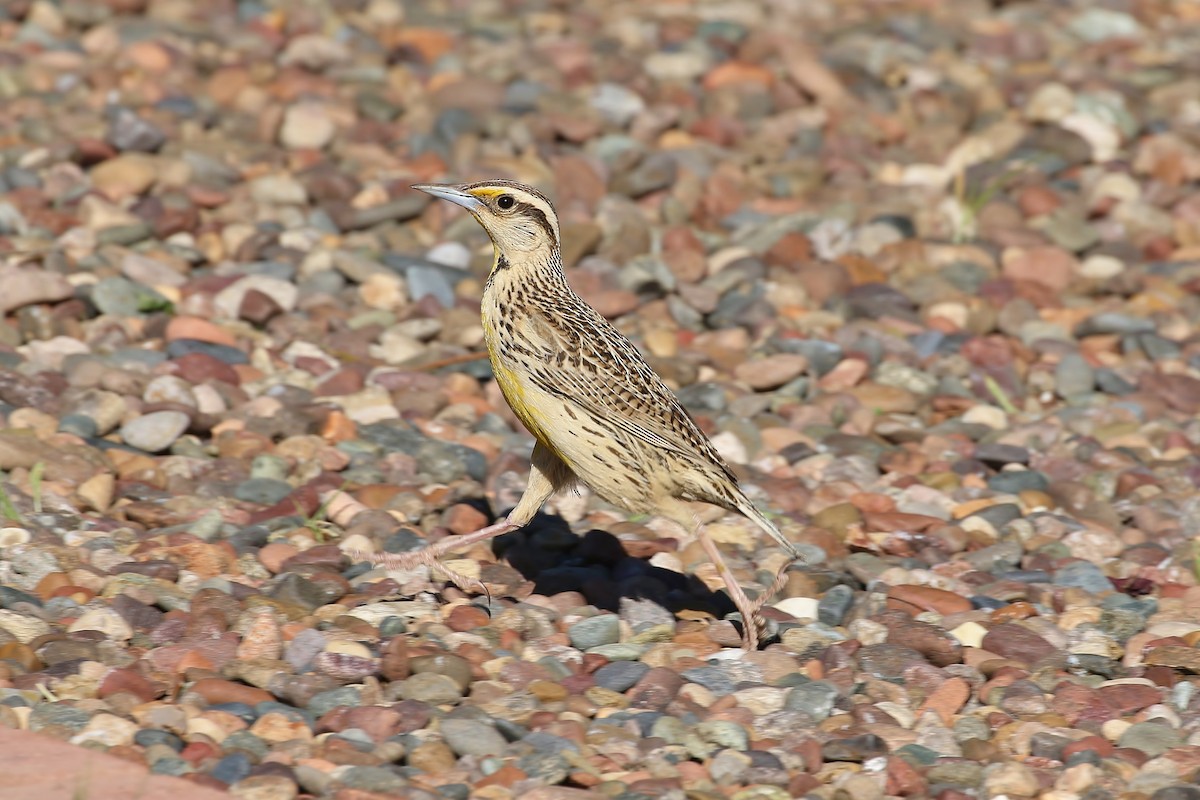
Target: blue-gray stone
{"x": 1025, "y": 576}
{"x": 232, "y": 768}
{"x": 454, "y": 791}
{"x": 147, "y": 737}
{"x": 815, "y": 699}
{"x": 1016, "y": 481}
{"x": 822, "y": 356}
{"x": 1107, "y": 322}
{"x": 10, "y": 597}
{"x": 324, "y": 702}
{"x": 549, "y": 743}
{"x": 129, "y": 132}
{"x": 545, "y": 768}
{"x": 595, "y": 631}
{"x": 521, "y": 96}
{"x": 1083, "y": 575}
{"x": 221, "y": 352}
{"x": 263, "y": 491}
{"x": 247, "y": 742}
{"x": 1151, "y": 738}
{"x": 47, "y": 714}
{"x": 472, "y": 737}
{"x": 1110, "y": 382}
{"x": 372, "y": 779}
{"x": 835, "y": 604}
{"x": 1000, "y": 514}
{"x": 171, "y": 765}
{"x": 620, "y": 676}
{"x": 121, "y": 297}
{"x": 430, "y": 281}
{"x": 715, "y": 679}
{"x": 79, "y": 425}
{"x": 137, "y": 358}
{"x": 1074, "y": 376}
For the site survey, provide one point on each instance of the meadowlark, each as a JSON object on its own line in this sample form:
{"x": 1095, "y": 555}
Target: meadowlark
{"x": 598, "y": 412}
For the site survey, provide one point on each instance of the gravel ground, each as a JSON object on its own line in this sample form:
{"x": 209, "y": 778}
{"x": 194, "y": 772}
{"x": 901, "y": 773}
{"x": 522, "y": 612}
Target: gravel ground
{"x": 928, "y": 274}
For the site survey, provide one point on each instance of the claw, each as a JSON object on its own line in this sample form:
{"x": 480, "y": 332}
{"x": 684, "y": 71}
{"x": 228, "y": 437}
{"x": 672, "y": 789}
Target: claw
{"x": 465, "y": 583}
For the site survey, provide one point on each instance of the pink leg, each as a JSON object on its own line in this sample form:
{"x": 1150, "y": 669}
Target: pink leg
{"x": 775, "y": 588}
{"x": 428, "y": 556}
{"x": 749, "y": 611}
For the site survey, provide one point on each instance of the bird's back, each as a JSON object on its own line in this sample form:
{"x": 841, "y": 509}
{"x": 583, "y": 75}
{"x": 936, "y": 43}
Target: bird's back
{"x": 585, "y": 392}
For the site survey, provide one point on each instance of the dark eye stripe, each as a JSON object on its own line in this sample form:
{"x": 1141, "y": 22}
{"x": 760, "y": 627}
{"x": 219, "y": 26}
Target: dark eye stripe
{"x": 539, "y": 216}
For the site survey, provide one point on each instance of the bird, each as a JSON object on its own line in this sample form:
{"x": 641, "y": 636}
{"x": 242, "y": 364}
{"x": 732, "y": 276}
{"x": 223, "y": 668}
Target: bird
{"x": 599, "y": 414}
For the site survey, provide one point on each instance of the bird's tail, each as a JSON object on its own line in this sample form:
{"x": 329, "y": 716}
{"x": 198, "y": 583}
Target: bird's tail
{"x": 750, "y": 510}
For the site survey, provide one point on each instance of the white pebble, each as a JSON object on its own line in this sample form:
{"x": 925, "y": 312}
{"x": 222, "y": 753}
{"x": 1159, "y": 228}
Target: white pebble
{"x": 105, "y": 620}
{"x": 799, "y": 607}
{"x": 450, "y": 254}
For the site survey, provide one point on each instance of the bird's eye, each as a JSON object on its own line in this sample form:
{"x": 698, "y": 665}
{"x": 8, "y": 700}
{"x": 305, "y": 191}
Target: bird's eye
{"x": 505, "y": 201}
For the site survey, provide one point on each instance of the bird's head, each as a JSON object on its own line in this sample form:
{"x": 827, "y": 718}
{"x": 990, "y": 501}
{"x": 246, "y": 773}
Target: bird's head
{"x": 519, "y": 219}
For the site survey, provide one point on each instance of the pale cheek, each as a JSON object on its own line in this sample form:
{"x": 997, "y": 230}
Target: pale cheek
{"x": 520, "y": 238}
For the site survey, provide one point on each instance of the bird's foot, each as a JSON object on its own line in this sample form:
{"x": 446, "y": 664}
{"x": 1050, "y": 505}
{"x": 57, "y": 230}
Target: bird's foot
{"x": 775, "y": 588}
{"x": 752, "y": 630}
{"x": 429, "y": 556}
{"x": 754, "y": 627}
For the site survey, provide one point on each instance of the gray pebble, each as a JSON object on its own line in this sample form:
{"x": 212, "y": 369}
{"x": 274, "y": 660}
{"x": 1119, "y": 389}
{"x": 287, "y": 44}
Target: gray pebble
{"x": 1074, "y": 376}
{"x": 78, "y": 424}
{"x": 430, "y": 687}
{"x": 268, "y": 466}
{"x": 1083, "y": 575}
{"x": 47, "y": 714}
{"x": 264, "y": 491}
{"x": 221, "y": 352}
{"x": 546, "y": 768}
{"x": 121, "y": 297}
{"x": 1112, "y": 322}
{"x": 815, "y": 699}
{"x": 156, "y": 431}
{"x": 468, "y": 737}
{"x": 1016, "y": 481}
{"x": 1152, "y": 738}
{"x": 296, "y": 589}
{"x": 325, "y": 702}
{"x": 372, "y": 779}
{"x": 620, "y": 676}
{"x": 835, "y": 604}
{"x": 595, "y": 631}
{"x": 127, "y": 131}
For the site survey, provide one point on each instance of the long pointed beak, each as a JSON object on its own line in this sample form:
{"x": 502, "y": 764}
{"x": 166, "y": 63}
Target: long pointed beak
{"x": 452, "y": 193}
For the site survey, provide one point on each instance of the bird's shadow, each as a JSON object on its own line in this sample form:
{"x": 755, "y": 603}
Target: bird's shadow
{"x": 556, "y": 559}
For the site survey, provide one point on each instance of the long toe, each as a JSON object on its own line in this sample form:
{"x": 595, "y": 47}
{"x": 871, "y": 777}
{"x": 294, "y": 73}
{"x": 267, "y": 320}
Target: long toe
{"x": 466, "y": 583}
{"x": 775, "y": 588}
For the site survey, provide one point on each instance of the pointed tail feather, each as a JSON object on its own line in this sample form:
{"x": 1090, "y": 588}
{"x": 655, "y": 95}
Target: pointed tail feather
{"x": 751, "y": 511}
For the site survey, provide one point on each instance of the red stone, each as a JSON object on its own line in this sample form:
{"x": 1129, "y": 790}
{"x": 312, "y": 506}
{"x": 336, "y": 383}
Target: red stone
{"x": 217, "y": 690}
{"x": 258, "y": 307}
{"x": 1129, "y": 697}
{"x": 928, "y": 598}
{"x": 1009, "y": 640}
{"x": 127, "y": 680}
{"x": 467, "y": 618}
{"x": 1098, "y": 744}
{"x": 197, "y": 368}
